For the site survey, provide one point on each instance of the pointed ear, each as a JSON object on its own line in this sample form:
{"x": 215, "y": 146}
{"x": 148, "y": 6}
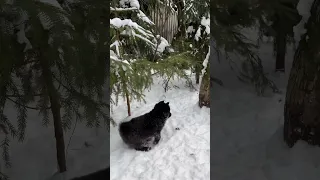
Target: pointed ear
{"x": 167, "y": 103}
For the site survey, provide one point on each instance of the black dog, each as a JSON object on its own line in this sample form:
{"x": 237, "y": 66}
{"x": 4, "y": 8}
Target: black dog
{"x": 144, "y": 132}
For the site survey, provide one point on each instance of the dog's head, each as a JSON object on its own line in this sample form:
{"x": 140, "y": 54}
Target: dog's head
{"x": 163, "y": 108}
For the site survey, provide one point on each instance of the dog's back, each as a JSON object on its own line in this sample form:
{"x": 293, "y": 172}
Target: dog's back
{"x": 143, "y": 132}
{"x": 130, "y": 131}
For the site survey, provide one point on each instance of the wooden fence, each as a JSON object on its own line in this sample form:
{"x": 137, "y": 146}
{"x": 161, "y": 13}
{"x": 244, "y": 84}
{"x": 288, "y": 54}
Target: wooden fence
{"x": 166, "y": 21}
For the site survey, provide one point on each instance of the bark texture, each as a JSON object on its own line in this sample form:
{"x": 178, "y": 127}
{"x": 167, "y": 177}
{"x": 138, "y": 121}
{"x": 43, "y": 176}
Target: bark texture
{"x": 302, "y": 105}
{"x": 204, "y": 93}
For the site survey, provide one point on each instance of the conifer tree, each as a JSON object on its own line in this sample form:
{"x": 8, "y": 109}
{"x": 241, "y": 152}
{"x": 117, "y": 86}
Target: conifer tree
{"x": 229, "y": 18}
{"x": 301, "y": 110}
{"x": 277, "y": 19}
{"x": 197, "y": 21}
{"x": 137, "y": 52}
{"x": 53, "y": 61}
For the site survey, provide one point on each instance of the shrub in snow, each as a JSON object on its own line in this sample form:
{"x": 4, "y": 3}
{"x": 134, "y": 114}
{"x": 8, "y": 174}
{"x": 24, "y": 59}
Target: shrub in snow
{"x": 134, "y": 49}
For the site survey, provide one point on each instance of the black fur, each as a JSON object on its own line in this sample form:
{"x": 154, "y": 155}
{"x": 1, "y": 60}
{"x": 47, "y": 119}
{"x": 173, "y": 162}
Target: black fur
{"x": 98, "y": 175}
{"x": 144, "y": 132}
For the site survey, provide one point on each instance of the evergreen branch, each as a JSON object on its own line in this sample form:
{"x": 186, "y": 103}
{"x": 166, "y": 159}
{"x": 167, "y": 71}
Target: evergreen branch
{"x": 45, "y": 116}
{"x": 24, "y": 63}
{"x": 91, "y": 105}
{"x": 5, "y": 152}
{"x": 28, "y": 107}
{"x": 5, "y": 122}
{"x": 22, "y": 116}
{"x": 75, "y": 92}
{"x": 3, "y": 128}
{"x": 3, "y": 176}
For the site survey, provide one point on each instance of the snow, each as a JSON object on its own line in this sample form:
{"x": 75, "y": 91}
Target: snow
{"x": 205, "y": 62}
{"x": 246, "y": 134}
{"x": 198, "y": 34}
{"x": 123, "y": 9}
{"x": 144, "y": 18}
{"x": 116, "y": 22}
{"x": 304, "y": 10}
{"x": 247, "y": 130}
{"x": 132, "y": 3}
{"x": 51, "y": 2}
{"x": 116, "y": 44}
{"x": 181, "y": 154}
{"x": 119, "y": 23}
{"x": 162, "y": 45}
{"x": 35, "y": 158}
{"x": 132, "y": 27}
{"x": 190, "y": 29}
{"x": 206, "y": 23}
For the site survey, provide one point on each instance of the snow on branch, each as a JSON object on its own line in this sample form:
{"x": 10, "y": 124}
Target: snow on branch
{"x": 144, "y": 18}
{"x": 205, "y": 22}
{"x": 205, "y": 62}
{"x": 123, "y": 9}
{"x": 132, "y": 29}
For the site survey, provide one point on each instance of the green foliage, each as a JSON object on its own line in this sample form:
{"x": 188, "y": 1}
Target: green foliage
{"x": 138, "y": 75}
{"x": 68, "y": 42}
{"x": 231, "y": 17}
{"x": 134, "y": 54}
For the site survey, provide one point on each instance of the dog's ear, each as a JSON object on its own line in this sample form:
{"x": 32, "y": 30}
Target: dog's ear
{"x": 167, "y": 103}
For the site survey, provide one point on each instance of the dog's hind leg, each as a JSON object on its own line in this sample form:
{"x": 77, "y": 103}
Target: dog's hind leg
{"x": 157, "y": 138}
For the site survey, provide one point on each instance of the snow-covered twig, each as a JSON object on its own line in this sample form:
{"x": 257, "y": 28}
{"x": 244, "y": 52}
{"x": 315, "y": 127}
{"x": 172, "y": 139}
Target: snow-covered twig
{"x": 205, "y": 62}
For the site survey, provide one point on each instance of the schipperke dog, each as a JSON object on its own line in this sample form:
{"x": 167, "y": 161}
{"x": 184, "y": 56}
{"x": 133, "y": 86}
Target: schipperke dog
{"x": 144, "y": 132}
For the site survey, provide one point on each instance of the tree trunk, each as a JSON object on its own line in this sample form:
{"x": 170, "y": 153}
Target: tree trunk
{"x": 281, "y": 45}
{"x": 128, "y": 104}
{"x": 302, "y": 105}
{"x": 55, "y": 109}
{"x": 204, "y": 93}
{"x": 198, "y": 68}
{"x": 197, "y": 76}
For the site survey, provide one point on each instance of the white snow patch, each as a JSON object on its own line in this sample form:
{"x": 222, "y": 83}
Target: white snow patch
{"x": 130, "y": 3}
{"x": 35, "y": 157}
{"x": 247, "y": 131}
{"x": 304, "y": 10}
{"x": 162, "y": 45}
{"x": 205, "y": 62}
{"x": 190, "y": 29}
{"x": 144, "y": 18}
{"x": 206, "y": 23}
{"x": 181, "y": 154}
{"x": 198, "y": 34}
{"x": 51, "y": 2}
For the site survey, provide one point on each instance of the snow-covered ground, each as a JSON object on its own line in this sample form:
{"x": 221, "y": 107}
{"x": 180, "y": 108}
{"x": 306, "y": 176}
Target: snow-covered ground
{"x": 246, "y": 130}
{"x": 35, "y": 158}
{"x": 181, "y": 154}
